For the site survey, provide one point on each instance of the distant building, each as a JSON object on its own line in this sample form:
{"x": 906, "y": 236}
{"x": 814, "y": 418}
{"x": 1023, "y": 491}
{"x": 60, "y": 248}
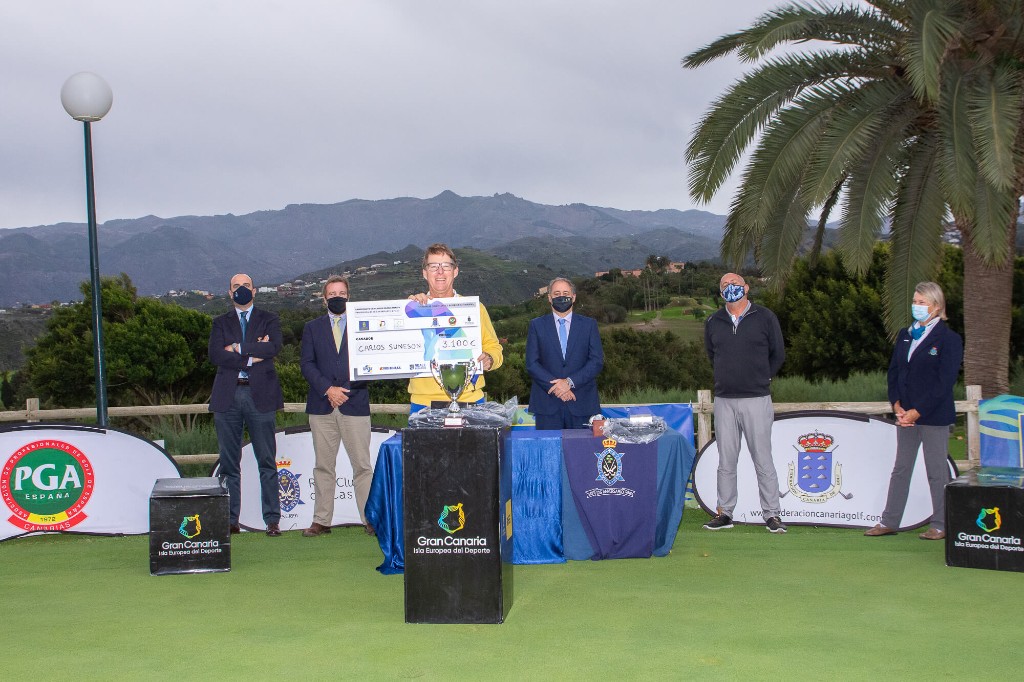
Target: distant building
{"x": 267, "y": 290}
{"x": 379, "y": 265}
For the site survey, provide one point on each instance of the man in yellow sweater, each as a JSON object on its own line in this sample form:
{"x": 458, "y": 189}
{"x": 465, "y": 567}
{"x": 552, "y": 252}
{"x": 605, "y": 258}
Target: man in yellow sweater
{"x": 440, "y": 268}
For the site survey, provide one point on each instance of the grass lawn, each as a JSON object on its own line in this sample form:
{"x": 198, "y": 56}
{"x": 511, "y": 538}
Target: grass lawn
{"x": 740, "y": 604}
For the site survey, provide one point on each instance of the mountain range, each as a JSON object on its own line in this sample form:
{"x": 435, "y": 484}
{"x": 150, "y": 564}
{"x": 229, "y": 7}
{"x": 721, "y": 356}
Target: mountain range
{"x": 45, "y": 263}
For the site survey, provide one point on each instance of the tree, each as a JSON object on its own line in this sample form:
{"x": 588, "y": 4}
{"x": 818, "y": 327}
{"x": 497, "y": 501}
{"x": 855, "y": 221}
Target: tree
{"x": 155, "y": 352}
{"x": 910, "y": 113}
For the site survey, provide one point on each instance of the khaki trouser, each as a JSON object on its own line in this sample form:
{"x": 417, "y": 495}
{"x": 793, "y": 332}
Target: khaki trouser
{"x": 329, "y": 432}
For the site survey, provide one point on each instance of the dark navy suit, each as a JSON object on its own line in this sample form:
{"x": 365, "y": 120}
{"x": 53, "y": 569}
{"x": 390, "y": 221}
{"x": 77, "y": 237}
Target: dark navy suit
{"x": 236, "y": 406}
{"x": 923, "y": 382}
{"x": 583, "y": 361}
{"x": 325, "y": 365}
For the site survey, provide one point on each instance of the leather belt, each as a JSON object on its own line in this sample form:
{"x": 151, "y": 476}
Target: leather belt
{"x": 243, "y": 382}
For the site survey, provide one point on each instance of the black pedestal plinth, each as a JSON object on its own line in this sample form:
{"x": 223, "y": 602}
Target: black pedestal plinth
{"x": 985, "y": 519}
{"x": 189, "y": 530}
{"x": 456, "y": 491}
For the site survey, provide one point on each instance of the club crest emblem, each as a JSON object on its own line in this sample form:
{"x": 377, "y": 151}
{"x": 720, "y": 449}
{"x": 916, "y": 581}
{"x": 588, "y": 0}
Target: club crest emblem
{"x": 815, "y": 477}
{"x": 609, "y": 463}
{"x": 289, "y": 489}
{"x": 453, "y": 518}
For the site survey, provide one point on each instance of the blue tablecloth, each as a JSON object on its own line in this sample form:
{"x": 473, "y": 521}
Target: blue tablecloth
{"x": 546, "y": 526}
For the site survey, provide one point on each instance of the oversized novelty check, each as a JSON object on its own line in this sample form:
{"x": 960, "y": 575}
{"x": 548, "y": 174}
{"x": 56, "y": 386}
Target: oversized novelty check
{"x": 398, "y": 339}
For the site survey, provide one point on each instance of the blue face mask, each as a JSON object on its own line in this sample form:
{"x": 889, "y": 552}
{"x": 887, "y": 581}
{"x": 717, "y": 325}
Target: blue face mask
{"x": 733, "y": 292}
{"x": 919, "y": 312}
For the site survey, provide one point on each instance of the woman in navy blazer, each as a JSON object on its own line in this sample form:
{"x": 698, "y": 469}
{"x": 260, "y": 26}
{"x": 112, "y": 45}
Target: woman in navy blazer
{"x": 922, "y": 372}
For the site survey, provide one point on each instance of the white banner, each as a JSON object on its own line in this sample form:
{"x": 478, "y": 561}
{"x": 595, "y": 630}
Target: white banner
{"x": 833, "y": 470}
{"x": 77, "y": 479}
{"x": 295, "y": 460}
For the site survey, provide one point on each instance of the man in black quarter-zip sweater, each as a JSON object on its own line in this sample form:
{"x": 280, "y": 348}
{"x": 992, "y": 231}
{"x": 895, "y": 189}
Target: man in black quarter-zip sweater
{"x": 745, "y": 346}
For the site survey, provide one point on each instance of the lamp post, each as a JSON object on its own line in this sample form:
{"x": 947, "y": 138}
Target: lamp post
{"x": 87, "y": 98}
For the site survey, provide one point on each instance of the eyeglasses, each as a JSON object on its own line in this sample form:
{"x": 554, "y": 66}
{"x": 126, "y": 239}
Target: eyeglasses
{"x": 439, "y": 267}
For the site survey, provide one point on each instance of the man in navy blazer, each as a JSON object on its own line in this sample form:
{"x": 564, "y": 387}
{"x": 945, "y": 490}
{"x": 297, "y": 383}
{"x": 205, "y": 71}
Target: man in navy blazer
{"x": 563, "y": 358}
{"x": 339, "y": 410}
{"x": 247, "y": 393}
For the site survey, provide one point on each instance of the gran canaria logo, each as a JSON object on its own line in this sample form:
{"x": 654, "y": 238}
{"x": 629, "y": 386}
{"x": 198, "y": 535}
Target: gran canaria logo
{"x": 190, "y": 526}
{"x": 47, "y": 484}
{"x": 989, "y": 520}
{"x": 453, "y": 518}
{"x": 815, "y": 477}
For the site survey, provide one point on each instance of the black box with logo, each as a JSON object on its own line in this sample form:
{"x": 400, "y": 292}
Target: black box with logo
{"x": 985, "y": 519}
{"x": 457, "y": 502}
{"x": 189, "y": 530}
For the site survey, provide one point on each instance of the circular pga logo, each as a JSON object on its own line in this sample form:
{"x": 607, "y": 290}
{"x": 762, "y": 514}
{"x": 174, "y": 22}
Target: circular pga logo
{"x": 47, "y": 484}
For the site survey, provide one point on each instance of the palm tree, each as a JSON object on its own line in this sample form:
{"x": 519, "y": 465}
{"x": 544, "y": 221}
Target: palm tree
{"x": 903, "y": 114}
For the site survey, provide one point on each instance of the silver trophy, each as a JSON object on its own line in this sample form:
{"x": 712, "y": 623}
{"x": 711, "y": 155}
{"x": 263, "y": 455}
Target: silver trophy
{"x": 454, "y": 379}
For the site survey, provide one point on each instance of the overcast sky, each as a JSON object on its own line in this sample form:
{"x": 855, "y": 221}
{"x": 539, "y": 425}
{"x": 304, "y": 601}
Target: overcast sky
{"x": 234, "y": 106}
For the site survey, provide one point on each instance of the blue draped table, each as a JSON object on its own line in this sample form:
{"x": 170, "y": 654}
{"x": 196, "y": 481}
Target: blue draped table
{"x": 546, "y": 525}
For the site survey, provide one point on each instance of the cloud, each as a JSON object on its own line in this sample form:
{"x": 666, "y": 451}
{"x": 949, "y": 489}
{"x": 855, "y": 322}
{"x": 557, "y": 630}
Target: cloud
{"x": 232, "y": 106}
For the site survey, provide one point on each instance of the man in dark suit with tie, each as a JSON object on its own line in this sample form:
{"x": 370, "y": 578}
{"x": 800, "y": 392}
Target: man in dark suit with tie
{"x": 339, "y": 410}
{"x": 563, "y": 358}
{"x": 247, "y": 394}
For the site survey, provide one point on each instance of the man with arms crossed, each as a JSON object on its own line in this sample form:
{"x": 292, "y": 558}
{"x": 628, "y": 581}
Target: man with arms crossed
{"x": 339, "y": 410}
{"x": 246, "y": 393}
{"x": 563, "y": 357}
{"x": 744, "y": 343}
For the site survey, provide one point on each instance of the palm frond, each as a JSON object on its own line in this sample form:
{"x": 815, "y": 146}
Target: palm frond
{"x": 994, "y": 108}
{"x": 780, "y": 245}
{"x": 995, "y": 212}
{"x": 736, "y": 117}
{"x": 935, "y": 25}
{"x": 826, "y": 212}
{"x": 916, "y": 230}
{"x": 957, "y": 166}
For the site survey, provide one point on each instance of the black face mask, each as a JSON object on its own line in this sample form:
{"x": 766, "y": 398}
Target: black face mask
{"x": 562, "y": 303}
{"x": 336, "y": 304}
{"x": 242, "y": 295}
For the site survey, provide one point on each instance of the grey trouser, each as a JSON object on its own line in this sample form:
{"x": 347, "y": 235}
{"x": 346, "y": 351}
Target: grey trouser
{"x": 330, "y": 431}
{"x": 753, "y": 418}
{"x": 935, "y": 442}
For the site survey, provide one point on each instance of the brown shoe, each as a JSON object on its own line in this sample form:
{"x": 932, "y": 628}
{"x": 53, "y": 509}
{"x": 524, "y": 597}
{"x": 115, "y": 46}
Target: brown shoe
{"x": 368, "y": 529}
{"x": 315, "y": 530}
{"x": 933, "y": 534}
{"x": 235, "y": 529}
{"x": 273, "y": 530}
{"x": 879, "y": 529}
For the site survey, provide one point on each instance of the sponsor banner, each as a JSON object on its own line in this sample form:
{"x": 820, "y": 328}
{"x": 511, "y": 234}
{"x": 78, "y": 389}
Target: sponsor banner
{"x": 295, "y": 461}
{"x": 833, "y": 470}
{"x": 398, "y": 339}
{"x": 615, "y": 490}
{"x": 77, "y": 479}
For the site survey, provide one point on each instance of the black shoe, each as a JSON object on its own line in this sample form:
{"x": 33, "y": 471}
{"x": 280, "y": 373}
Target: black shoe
{"x": 235, "y": 529}
{"x": 273, "y": 530}
{"x": 775, "y": 525}
{"x": 719, "y": 522}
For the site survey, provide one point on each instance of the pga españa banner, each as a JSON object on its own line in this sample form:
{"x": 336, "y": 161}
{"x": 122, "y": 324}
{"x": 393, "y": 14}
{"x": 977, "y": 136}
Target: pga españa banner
{"x": 77, "y": 479}
{"x": 295, "y": 460}
{"x": 833, "y": 470}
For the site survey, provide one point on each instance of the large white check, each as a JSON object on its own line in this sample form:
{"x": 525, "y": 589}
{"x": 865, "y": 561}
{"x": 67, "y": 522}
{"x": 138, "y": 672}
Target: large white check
{"x": 398, "y": 339}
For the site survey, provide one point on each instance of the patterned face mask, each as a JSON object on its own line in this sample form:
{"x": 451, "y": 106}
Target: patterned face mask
{"x": 732, "y": 292}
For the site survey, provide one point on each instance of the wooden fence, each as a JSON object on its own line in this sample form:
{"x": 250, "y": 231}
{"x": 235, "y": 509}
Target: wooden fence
{"x": 703, "y": 409}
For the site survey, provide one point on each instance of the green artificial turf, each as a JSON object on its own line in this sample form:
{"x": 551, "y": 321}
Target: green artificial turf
{"x": 735, "y": 604}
